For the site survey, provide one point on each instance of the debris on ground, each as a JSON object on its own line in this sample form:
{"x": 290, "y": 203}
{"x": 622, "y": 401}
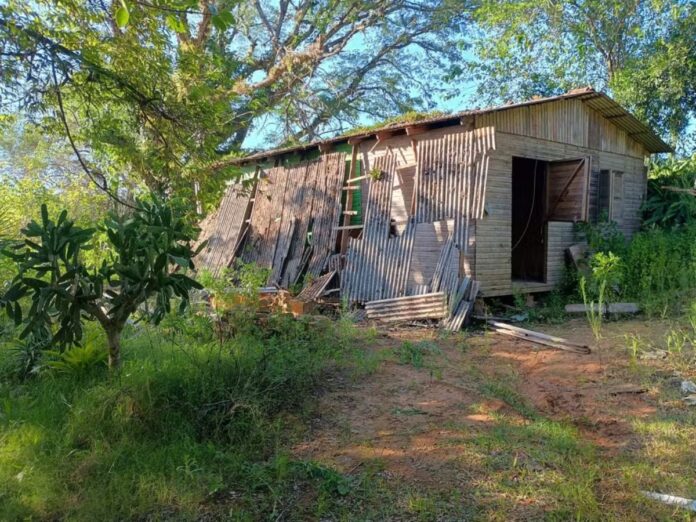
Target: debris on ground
{"x": 627, "y": 388}
{"x": 578, "y": 255}
{"x": 690, "y": 400}
{"x": 688, "y": 387}
{"x": 539, "y": 338}
{"x": 426, "y": 306}
{"x": 316, "y": 288}
{"x": 672, "y": 500}
{"x": 654, "y": 355}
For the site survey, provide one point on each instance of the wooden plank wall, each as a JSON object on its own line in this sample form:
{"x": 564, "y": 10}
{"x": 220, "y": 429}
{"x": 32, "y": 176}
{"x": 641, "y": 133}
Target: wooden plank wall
{"x": 450, "y": 163}
{"x": 493, "y": 232}
{"x": 560, "y": 235}
{"x": 402, "y": 195}
{"x": 447, "y": 181}
{"x": 564, "y": 121}
{"x": 290, "y": 201}
{"x": 429, "y": 240}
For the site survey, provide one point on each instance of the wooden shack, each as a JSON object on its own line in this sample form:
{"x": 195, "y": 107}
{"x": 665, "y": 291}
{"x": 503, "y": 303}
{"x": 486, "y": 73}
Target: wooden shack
{"x": 489, "y": 194}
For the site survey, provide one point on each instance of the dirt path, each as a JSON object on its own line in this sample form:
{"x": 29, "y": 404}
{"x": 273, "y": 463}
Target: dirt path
{"x": 432, "y": 420}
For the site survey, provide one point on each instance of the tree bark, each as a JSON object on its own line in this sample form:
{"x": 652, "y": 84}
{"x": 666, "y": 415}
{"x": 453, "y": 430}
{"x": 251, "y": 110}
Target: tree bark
{"x": 113, "y": 338}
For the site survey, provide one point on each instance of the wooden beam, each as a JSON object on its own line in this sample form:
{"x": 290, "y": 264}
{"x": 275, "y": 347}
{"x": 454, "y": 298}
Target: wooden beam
{"x": 384, "y": 135}
{"x": 359, "y": 178}
{"x": 467, "y": 122}
{"x": 349, "y": 197}
{"x": 349, "y": 227}
{"x": 325, "y": 147}
{"x": 355, "y": 140}
{"x": 413, "y": 130}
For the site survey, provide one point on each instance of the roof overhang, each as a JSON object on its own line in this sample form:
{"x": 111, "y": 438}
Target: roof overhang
{"x": 596, "y": 100}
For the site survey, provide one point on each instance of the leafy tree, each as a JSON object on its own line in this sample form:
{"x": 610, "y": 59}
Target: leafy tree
{"x": 36, "y": 168}
{"x": 148, "y": 246}
{"x": 671, "y": 198}
{"x": 643, "y": 51}
{"x": 165, "y": 89}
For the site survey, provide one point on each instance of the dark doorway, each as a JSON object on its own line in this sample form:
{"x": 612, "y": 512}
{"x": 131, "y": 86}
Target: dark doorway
{"x": 528, "y": 219}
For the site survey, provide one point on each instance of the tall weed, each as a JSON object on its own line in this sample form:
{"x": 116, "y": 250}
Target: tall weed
{"x": 657, "y": 267}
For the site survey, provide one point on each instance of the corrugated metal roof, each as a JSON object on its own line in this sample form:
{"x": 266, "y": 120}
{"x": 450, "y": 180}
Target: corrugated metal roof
{"x": 597, "y": 100}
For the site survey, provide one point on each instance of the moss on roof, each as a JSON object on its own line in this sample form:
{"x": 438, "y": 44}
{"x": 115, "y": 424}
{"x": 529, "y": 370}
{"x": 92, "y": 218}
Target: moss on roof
{"x": 407, "y": 117}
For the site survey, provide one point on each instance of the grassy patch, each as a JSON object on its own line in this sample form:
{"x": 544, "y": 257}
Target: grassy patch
{"x": 190, "y": 426}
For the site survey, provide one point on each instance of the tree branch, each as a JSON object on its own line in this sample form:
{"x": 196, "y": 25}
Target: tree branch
{"x": 83, "y": 164}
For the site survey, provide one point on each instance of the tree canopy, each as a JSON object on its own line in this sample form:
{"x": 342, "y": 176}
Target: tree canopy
{"x": 643, "y": 51}
{"x": 163, "y": 89}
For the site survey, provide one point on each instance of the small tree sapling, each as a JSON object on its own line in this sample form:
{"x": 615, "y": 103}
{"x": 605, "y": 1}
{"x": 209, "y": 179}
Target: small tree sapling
{"x": 149, "y": 247}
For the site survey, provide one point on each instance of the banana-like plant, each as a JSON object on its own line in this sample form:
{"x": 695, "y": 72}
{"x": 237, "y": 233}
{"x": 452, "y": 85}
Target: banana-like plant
{"x": 151, "y": 246}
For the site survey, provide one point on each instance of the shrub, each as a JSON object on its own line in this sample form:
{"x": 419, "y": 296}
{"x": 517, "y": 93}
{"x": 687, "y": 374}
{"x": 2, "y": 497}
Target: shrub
{"x": 656, "y": 268}
{"x": 149, "y": 248}
{"x": 669, "y": 208}
{"x": 659, "y": 267}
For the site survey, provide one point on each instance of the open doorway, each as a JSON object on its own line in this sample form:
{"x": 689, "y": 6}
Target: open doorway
{"x": 528, "y": 219}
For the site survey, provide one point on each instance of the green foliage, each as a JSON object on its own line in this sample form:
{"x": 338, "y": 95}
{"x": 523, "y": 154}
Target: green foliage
{"x": 146, "y": 247}
{"x": 548, "y": 308}
{"x": 668, "y": 208}
{"x": 189, "y": 426}
{"x": 249, "y": 277}
{"x": 375, "y": 174}
{"x": 414, "y": 353}
{"x": 641, "y": 50}
{"x": 595, "y": 290}
{"x": 657, "y": 268}
{"x": 160, "y": 91}
{"x": 77, "y": 361}
{"x": 36, "y": 169}
{"x": 604, "y": 236}
{"x": 407, "y": 117}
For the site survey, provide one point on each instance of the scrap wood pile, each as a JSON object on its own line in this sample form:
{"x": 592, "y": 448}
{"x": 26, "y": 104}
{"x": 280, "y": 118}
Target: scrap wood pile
{"x": 447, "y": 298}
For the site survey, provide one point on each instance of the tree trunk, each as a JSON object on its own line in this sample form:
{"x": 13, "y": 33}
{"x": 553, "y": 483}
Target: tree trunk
{"x": 113, "y": 338}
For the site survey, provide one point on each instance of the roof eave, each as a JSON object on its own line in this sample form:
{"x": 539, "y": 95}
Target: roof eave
{"x": 653, "y": 144}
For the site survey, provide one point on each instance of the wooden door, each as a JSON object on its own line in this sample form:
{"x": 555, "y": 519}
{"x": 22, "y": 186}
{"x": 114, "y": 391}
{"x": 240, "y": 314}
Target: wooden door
{"x": 568, "y": 189}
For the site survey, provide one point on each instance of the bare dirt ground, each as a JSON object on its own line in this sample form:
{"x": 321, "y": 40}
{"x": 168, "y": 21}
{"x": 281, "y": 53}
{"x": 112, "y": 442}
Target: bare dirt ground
{"x": 431, "y": 422}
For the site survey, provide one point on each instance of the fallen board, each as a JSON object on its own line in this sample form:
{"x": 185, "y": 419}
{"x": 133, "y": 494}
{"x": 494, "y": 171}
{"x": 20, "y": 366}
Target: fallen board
{"x": 539, "y": 338}
{"x": 315, "y": 289}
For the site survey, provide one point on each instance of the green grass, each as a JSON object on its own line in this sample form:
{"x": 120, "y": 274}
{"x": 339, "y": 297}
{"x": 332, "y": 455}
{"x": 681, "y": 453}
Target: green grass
{"x": 197, "y": 428}
{"x": 188, "y": 427}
